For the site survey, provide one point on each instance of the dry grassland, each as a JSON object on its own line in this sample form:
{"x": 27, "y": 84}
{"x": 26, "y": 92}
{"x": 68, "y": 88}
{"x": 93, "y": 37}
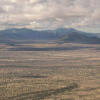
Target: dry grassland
{"x": 50, "y": 72}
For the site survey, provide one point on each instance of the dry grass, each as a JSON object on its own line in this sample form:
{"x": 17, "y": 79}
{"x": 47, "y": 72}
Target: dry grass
{"x": 64, "y": 74}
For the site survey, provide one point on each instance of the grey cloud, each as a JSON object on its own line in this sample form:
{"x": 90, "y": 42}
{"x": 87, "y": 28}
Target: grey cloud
{"x": 50, "y": 14}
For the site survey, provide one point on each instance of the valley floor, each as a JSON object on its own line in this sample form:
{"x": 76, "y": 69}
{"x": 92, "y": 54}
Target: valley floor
{"x": 50, "y": 72}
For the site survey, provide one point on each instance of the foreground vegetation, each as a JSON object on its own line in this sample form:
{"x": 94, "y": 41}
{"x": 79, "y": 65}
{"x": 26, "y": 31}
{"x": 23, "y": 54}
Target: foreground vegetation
{"x": 50, "y": 72}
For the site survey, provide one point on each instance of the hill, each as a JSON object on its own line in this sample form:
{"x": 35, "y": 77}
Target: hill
{"x": 11, "y": 36}
{"x": 76, "y": 37}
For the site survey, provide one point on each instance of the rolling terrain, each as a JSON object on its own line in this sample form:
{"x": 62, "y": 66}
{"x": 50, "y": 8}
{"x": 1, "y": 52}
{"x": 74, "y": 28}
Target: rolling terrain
{"x": 75, "y": 37}
{"x": 17, "y": 36}
{"x": 70, "y": 72}
{"x": 63, "y": 67}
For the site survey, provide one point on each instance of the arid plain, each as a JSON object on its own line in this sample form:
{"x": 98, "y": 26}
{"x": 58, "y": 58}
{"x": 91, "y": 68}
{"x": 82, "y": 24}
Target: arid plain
{"x": 50, "y": 71}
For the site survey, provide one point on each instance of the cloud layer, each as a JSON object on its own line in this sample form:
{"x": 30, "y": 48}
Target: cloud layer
{"x": 49, "y": 14}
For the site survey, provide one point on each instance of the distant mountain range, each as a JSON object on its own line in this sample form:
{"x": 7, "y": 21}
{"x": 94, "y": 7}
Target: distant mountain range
{"x": 98, "y": 35}
{"x": 59, "y": 35}
{"x": 76, "y": 37}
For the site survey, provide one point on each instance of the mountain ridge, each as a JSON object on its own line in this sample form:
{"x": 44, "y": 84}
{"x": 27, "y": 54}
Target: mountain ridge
{"x": 61, "y": 34}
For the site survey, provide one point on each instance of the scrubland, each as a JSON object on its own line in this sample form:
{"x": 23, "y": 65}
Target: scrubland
{"x": 50, "y": 72}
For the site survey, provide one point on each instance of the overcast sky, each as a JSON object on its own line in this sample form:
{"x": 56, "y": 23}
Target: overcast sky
{"x": 50, "y": 14}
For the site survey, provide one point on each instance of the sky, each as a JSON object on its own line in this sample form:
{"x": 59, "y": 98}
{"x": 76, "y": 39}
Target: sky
{"x": 50, "y": 14}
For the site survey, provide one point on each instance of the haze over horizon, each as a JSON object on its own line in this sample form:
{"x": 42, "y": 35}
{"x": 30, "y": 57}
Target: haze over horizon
{"x": 83, "y": 15}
